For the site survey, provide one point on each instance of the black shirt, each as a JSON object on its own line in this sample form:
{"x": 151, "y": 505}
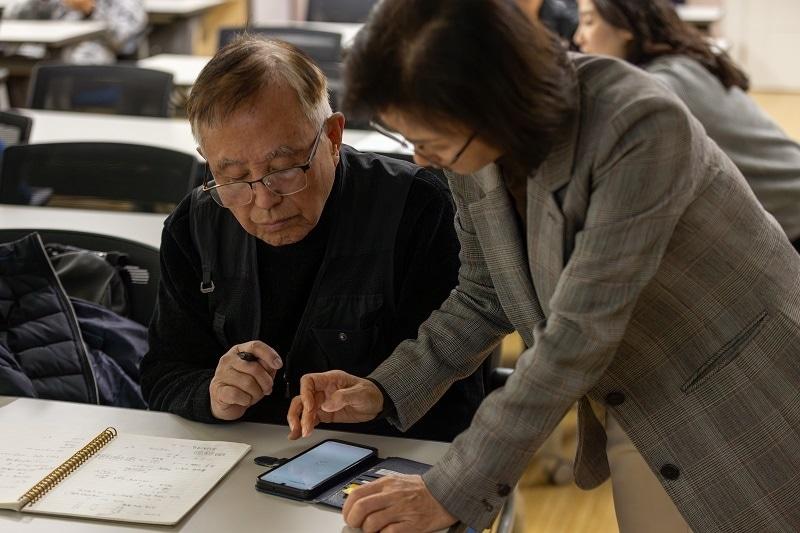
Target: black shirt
{"x": 184, "y": 351}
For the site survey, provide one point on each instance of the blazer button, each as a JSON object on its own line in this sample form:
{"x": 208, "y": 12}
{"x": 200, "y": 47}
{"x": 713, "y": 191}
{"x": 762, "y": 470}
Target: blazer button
{"x": 488, "y": 506}
{"x": 503, "y": 489}
{"x": 343, "y": 336}
{"x": 615, "y": 398}
{"x": 670, "y": 472}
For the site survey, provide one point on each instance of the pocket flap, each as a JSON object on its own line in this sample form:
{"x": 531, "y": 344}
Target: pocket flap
{"x": 349, "y": 350}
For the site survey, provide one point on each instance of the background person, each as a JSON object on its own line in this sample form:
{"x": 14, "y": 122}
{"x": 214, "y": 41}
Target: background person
{"x": 649, "y": 33}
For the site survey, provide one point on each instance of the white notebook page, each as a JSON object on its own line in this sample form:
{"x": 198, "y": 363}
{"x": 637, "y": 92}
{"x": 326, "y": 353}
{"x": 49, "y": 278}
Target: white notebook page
{"x": 137, "y": 478}
{"x": 29, "y": 455}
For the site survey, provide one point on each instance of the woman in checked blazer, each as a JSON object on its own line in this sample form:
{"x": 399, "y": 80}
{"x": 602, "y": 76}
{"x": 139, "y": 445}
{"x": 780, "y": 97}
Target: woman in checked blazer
{"x": 598, "y": 220}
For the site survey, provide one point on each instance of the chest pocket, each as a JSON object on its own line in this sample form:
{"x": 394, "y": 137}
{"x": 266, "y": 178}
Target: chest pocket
{"x": 349, "y": 333}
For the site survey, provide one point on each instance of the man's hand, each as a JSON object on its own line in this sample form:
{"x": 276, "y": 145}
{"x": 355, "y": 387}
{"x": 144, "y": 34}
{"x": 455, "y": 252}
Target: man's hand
{"x": 333, "y": 396}
{"x": 84, "y": 6}
{"x": 395, "y": 504}
{"x": 237, "y": 384}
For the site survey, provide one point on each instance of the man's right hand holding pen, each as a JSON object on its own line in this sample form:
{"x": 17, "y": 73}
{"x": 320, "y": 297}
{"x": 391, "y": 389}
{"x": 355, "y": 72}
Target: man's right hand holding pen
{"x": 333, "y": 396}
{"x": 242, "y": 380}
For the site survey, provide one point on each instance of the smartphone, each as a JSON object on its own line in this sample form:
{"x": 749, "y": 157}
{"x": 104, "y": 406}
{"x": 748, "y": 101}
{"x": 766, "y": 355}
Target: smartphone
{"x": 311, "y": 472}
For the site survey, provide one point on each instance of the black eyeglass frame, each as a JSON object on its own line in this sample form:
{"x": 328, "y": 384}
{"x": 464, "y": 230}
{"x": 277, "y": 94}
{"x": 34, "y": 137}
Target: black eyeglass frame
{"x": 305, "y": 167}
{"x": 411, "y": 147}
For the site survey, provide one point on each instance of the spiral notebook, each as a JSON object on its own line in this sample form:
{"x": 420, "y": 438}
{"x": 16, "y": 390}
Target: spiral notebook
{"x": 110, "y": 476}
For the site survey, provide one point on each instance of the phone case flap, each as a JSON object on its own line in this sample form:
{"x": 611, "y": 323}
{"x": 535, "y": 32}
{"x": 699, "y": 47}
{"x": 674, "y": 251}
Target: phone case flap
{"x": 336, "y": 496}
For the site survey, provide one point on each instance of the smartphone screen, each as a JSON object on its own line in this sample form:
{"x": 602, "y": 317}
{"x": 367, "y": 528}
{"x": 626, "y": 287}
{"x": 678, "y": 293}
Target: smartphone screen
{"x": 311, "y": 468}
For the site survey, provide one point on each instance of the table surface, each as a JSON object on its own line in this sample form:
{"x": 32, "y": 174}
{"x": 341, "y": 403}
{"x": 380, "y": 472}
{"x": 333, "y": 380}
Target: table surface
{"x": 185, "y": 68}
{"x": 233, "y": 505}
{"x": 172, "y": 133}
{"x": 179, "y": 8}
{"x": 139, "y": 227}
{"x": 53, "y": 33}
{"x": 700, "y": 14}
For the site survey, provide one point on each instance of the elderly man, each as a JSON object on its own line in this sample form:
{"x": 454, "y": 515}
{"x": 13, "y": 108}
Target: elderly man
{"x": 299, "y": 254}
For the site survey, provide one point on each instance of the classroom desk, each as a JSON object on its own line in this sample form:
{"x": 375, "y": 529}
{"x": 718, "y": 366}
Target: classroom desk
{"x": 700, "y": 16}
{"x": 51, "y": 33}
{"x": 175, "y": 24}
{"x": 139, "y": 227}
{"x": 162, "y": 11}
{"x": 172, "y": 133}
{"x": 66, "y": 126}
{"x": 185, "y": 68}
{"x": 233, "y": 505}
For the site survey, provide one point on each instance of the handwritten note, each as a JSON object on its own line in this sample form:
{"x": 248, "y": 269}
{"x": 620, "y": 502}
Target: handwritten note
{"x": 26, "y": 457}
{"x": 139, "y": 478}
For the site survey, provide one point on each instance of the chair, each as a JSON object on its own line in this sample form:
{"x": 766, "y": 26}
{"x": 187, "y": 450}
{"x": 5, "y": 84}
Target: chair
{"x": 143, "y": 263}
{"x": 339, "y": 10}
{"x": 96, "y": 175}
{"x": 5, "y": 98}
{"x": 14, "y": 128}
{"x": 111, "y": 89}
{"x": 324, "y": 47}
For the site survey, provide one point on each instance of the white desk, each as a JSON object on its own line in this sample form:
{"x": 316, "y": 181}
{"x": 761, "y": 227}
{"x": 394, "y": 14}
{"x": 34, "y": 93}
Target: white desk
{"x": 52, "y": 33}
{"x": 175, "y": 134}
{"x": 233, "y": 505}
{"x": 184, "y": 68}
{"x": 161, "y": 10}
{"x": 65, "y": 126}
{"x": 700, "y": 15}
{"x": 139, "y": 227}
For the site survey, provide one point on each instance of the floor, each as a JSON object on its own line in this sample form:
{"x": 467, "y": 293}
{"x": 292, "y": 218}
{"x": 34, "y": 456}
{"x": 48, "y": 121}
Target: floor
{"x": 567, "y": 509}
{"x": 784, "y": 108}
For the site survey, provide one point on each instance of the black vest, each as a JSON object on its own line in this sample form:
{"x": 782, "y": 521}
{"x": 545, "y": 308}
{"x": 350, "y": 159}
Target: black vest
{"x": 351, "y": 308}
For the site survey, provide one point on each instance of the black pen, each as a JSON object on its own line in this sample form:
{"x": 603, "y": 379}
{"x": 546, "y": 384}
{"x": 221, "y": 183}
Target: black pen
{"x": 247, "y": 356}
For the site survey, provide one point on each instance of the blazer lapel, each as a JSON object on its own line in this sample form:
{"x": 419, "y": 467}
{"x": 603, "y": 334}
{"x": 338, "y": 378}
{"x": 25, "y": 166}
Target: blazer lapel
{"x": 546, "y": 224}
{"x": 503, "y": 251}
{"x": 545, "y": 236}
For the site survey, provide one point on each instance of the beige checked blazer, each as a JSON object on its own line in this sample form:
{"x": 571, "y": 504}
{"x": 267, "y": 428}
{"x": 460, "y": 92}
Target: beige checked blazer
{"x": 649, "y": 280}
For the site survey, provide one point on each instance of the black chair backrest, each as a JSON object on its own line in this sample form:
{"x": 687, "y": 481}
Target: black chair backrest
{"x": 111, "y": 89}
{"x": 14, "y": 128}
{"x": 324, "y": 47}
{"x": 143, "y": 262}
{"x": 340, "y": 10}
{"x": 111, "y": 176}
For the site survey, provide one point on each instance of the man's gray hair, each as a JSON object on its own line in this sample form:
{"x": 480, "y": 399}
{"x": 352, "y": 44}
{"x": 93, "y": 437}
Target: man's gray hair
{"x": 243, "y": 69}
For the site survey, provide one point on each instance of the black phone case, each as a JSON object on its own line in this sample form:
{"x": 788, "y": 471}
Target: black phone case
{"x": 331, "y": 493}
{"x": 309, "y": 496}
{"x": 334, "y": 497}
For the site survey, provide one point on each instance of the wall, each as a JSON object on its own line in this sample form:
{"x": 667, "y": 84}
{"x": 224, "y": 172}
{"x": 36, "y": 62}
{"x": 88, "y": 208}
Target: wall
{"x": 765, "y": 39}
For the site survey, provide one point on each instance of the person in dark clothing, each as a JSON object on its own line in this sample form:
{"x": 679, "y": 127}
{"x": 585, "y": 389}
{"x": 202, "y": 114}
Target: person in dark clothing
{"x": 559, "y": 16}
{"x": 299, "y": 250}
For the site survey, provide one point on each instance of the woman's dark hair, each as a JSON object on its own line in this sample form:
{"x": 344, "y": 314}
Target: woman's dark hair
{"x": 658, "y": 31}
{"x": 478, "y": 63}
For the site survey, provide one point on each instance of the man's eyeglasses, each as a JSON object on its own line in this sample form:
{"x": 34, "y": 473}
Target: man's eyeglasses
{"x": 283, "y": 182}
{"x": 435, "y": 160}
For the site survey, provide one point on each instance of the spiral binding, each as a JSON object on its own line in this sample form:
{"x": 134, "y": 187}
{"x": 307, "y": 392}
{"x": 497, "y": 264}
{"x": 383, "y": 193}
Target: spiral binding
{"x": 67, "y": 467}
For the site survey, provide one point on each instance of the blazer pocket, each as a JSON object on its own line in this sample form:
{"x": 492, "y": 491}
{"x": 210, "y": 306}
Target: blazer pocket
{"x": 725, "y": 355}
{"x": 349, "y": 350}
